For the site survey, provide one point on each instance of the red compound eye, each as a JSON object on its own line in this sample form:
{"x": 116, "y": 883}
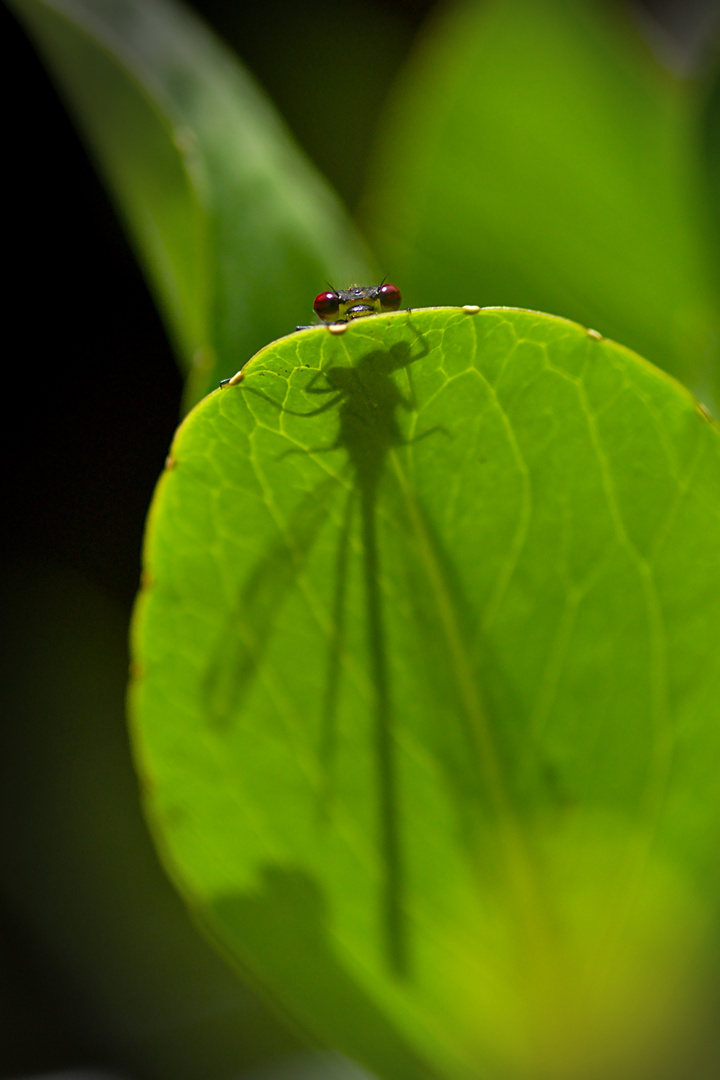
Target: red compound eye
{"x": 390, "y": 297}
{"x": 327, "y": 305}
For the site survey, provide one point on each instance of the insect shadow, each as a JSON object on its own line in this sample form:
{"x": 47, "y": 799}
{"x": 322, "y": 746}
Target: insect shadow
{"x": 368, "y": 401}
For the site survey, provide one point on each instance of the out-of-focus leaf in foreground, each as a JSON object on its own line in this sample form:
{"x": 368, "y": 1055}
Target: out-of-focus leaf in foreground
{"x": 537, "y": 155}
{"x": 234, "y": 227}
{"x": 426, "y": 690}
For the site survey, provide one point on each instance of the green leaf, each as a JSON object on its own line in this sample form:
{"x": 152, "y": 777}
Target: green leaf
{"x": 235, "y": 229}
{"x": 536, "y": 155}
{"x": 426, "y": 683}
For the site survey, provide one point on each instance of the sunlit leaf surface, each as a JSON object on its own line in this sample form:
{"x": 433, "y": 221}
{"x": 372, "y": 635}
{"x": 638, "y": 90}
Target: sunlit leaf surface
{"x": 426, "y": 684}
{"x": 235, "y": 229}
{"x": 536, "y": 154}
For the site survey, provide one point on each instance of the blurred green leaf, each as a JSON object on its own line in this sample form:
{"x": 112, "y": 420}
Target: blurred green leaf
{"x": 426, "y": 690}
{"x": 536, "y": 154}
{"x": 711, "y": 140}
{"x": 330, "y": 97}
{"x": 236, "y": 230}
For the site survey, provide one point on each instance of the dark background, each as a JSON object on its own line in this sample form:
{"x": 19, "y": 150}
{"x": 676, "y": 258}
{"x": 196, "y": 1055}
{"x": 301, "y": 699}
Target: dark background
{"x": 100, "y": 965}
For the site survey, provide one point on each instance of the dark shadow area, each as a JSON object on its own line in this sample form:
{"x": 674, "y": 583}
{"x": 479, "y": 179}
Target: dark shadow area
{"x": 97, "y": 940}
{"x": 42, "y": 1025}
{"x": 281, "y": 930}
{"x": 95, "y": 390}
